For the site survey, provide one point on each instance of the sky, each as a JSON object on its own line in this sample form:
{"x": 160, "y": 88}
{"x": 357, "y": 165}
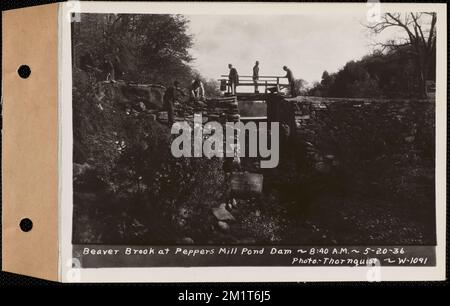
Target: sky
{"x": 307, "y": 44}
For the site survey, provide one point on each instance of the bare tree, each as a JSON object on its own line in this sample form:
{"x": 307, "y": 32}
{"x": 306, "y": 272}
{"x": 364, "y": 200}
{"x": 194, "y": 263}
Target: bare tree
{"x": 421, "y": 36}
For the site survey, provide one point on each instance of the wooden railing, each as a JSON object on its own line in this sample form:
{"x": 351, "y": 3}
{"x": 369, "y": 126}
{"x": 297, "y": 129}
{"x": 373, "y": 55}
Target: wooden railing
{"x": 265, "y": 81}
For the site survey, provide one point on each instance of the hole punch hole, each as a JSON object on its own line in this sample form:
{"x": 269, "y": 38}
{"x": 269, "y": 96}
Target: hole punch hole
{"x": 26, "y": 225}
{"x": 24, "y": 71}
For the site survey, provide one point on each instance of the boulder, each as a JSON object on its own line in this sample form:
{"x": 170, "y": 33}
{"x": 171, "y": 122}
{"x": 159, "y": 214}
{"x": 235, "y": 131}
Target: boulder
{"x": 80, "y": 169}
{"x": 322, "y": 167}
{"x": 223, "y": 226}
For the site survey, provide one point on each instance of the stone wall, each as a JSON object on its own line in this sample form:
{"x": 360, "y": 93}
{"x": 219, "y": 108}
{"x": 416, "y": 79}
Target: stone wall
{"x": 373, "y": 145}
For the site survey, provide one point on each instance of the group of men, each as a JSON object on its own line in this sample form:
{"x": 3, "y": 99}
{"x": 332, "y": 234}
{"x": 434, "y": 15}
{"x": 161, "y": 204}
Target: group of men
{"x": 233, "y": 79}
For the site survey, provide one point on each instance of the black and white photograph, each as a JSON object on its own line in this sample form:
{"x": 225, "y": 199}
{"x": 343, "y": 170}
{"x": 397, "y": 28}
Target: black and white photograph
{"x": 208, "y": 135}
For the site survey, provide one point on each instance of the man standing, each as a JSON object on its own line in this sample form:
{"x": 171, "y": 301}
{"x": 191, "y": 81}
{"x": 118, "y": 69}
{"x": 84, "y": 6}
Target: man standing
{"x": 170, "y": 96}
{"x": 256, "y": 76}
{"x": 233, "y": 79}
{"x": 291, "y": 80}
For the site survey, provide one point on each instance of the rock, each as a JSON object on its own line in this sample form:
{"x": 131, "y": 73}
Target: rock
{"x": 182, "y": 222}
{"x": 80, "y": 169}
{"x": 223, "y": 226}
{"x": 136, "y": 223}
{"x": 222, "y": 214}
{"x": 247, "y": 241}
{"x": 183, "y": 212}
{"x": 322, "y": 167}
{"x": 187, "y": 240}
{"x": 285, "y": 130}
{"x": 318, "y": 157}
{"x": 162, "y": 116}
{"x": 329, "y": 157}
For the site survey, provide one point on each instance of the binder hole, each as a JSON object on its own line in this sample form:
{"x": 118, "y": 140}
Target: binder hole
{"x": 26, "y": 225}
{"x": 24, "y": 71}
